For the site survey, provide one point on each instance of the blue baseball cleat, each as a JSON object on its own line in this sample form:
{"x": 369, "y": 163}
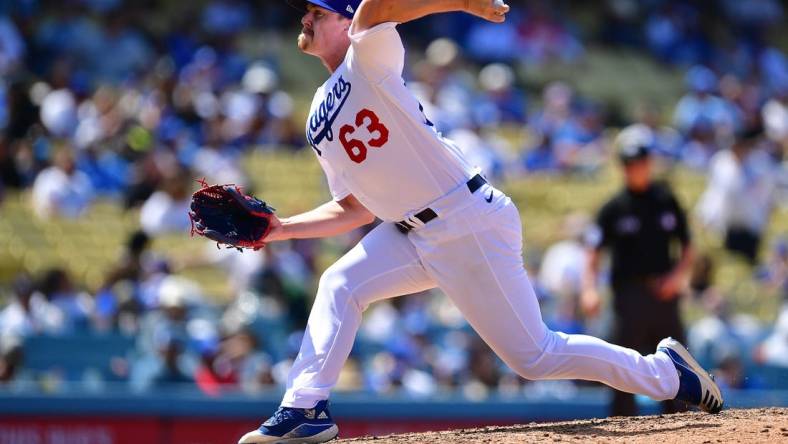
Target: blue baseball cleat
{"x": 696, "y": 386}
{"x": 295, "y": 426}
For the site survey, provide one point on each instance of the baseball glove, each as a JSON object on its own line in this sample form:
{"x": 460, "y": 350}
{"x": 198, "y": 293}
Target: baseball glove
{"x": 225, "y": 214}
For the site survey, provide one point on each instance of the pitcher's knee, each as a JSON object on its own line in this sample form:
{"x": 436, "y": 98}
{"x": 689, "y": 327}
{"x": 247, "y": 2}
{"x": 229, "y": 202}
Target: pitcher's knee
{"x": 335, "y": 285}
{"x": 528, "y": 370}
{"x": 538, "y": 362}
{"x": 333, "y": 279}
{"x": 526, "y": 364}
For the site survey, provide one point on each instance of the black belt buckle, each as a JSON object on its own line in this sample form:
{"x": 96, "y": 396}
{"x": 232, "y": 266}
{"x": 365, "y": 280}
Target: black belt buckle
{"x": 429, "y": 214}
{"x": 403, "y": 227}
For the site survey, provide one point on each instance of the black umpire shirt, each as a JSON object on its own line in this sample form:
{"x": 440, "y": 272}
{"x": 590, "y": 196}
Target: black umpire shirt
{"x": 638, "y": 229}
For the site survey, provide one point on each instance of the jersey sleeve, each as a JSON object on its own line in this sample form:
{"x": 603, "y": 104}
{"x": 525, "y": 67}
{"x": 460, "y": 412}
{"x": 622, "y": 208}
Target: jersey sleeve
{"x": 335, "y": 185}
{"x": 377, "y": 53}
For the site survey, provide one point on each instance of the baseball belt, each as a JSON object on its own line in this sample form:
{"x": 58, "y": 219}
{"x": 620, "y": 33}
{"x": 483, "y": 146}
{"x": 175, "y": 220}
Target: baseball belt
{"x": 429, "y": 214}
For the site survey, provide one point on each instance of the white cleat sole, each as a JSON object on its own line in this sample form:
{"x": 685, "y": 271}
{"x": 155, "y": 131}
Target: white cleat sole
{"x": 256, "y": 437}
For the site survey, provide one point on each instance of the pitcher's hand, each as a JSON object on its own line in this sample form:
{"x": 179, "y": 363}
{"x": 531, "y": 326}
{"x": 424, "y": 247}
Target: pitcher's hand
{"x": 669, "y": 287}
{"x": 277, "y": 230}
{"x": 590, "y": 303}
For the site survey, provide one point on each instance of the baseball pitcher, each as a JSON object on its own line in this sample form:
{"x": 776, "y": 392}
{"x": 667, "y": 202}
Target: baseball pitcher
{"x": 444, "y": 225}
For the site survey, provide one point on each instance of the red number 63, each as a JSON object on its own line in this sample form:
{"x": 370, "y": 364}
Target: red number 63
{"x": 355, "y": 148}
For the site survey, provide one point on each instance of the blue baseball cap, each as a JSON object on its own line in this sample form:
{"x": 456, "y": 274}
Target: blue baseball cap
{"x": 346, "y": 8}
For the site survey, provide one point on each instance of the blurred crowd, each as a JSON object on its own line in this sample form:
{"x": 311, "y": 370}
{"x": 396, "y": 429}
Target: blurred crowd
{"x": 130, "y": 101}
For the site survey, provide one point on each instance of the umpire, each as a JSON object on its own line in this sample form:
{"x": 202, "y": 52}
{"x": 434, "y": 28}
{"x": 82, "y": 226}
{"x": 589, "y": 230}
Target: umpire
{"x": 641, "y": 227}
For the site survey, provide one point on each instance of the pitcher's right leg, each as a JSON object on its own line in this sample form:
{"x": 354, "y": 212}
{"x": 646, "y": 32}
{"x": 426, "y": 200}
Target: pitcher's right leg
{"x": 481, "y": 270}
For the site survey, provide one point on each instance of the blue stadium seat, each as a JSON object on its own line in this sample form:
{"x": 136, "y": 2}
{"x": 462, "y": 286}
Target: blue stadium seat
{"x": 772, "y": 376}
{"x": 72, "y": 356}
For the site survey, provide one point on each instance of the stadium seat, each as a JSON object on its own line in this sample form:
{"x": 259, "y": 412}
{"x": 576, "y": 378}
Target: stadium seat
{"x": 73, "y": 355}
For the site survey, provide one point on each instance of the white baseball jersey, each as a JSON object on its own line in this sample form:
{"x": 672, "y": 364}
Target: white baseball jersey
{"x": 372, "y": 138}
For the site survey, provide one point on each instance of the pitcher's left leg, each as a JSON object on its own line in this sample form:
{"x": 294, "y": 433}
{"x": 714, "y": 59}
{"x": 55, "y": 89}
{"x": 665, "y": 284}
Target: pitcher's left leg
{"x": 383, "y": 265}
{"x": 482, "y": 272}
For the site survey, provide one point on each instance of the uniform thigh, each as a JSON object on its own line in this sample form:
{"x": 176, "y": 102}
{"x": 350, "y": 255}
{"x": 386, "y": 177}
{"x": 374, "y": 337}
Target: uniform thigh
{"x": 477, "y": 261}
{"x": 382, "y": 265}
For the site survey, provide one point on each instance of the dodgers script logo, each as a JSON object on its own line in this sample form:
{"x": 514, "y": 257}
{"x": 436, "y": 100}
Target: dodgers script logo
{"x": 322, "y": 121}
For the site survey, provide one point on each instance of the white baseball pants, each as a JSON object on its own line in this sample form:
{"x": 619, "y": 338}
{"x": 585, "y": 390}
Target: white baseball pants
{"x": 475, "y": 256}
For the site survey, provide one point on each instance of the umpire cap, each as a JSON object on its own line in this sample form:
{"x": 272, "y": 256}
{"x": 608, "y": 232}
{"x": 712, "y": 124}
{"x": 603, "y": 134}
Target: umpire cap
{"x": 346, "y": 8}
{"x": 631, "y": 153}
{"x": 634, "y": 143}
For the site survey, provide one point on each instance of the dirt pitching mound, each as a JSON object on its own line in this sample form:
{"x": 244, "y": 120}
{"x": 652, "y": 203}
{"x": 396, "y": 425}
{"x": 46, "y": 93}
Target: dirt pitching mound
{"x": 731, "y": 426}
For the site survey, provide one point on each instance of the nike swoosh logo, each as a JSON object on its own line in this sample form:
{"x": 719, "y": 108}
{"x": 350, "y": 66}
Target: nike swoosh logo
{"x": 489, "y": 199}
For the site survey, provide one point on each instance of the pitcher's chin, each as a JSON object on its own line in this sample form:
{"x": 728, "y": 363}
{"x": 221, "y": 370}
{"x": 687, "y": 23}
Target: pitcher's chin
{"x": 304, "y": 41}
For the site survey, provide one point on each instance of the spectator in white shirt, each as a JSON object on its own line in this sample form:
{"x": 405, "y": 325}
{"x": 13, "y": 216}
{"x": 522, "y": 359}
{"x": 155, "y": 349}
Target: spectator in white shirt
{"x": 167, "y": 210}
{"x": 562, "y": 267}
{"x": 739, "y": 197}
{"x": 775, "y": 117}
{"x": 561, "y": 272}
{"x": 29, "y": 313}
{"x": 774, "y": 349}
{"x": 61, "y": 190}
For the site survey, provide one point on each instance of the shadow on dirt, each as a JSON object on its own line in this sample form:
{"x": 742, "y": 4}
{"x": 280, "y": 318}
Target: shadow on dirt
{"x": 595, "y": 429}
